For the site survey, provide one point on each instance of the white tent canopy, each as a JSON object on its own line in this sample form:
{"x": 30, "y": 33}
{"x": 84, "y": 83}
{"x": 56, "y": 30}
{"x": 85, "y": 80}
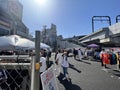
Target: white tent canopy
{"x": 14, "y": 41}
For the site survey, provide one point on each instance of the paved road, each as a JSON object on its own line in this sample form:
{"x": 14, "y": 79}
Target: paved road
{"x": 88, "y": 75}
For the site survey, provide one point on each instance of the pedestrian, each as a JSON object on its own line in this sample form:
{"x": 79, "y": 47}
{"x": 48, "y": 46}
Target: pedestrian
{"x": 118, "y": 60}
{"x": 65, "y": 65}
{"x": 103, "y": 51}
{"x": 43, "y": 67}
{"x": 43, "y": 63}
{"x": 48, "y": 52}
{"x": 74, "y": 53}
{"x": 105, "y": 58}
{"x": 113, "y": 60}
{"x": 57, "y": 63}
{"x": 80, "y": 53}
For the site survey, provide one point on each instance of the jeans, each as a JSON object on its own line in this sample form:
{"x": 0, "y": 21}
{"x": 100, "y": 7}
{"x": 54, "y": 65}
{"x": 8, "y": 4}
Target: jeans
{"x": 65, "y": 71}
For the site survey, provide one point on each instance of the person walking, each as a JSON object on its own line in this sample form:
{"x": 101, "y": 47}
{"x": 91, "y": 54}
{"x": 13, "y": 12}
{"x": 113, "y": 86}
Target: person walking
{"x": 43, "y": 63}
{"x": 103, "y": 51}
{"x": 57, "y": 62}
{"x": 118, "y": 60}
{"x": 74, "y": 53}
{"x": 43, "y": 67}
{"x": 65, "y": 65}
{"x": 105, "y": 59}
{"x": 80, "y": 54}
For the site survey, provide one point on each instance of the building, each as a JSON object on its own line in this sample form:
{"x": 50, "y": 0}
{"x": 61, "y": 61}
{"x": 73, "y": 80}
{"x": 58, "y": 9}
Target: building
{"x": 12, "y": 7}
{"x": 49, "y": 35}
{"x": 11, "y": 19}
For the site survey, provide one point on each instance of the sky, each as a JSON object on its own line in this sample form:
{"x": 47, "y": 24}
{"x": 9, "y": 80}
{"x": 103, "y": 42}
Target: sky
{"x": 72, "y": 17}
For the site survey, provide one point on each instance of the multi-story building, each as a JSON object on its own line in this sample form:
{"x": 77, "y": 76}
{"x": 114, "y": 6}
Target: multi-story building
{"x": 49, "y": 36}
{"x": 11, "y": 19}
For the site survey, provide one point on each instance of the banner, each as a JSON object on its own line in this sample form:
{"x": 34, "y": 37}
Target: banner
{"x": 48, "y": 79}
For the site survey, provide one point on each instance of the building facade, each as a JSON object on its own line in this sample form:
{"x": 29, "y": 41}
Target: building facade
{"x": 49, "y": 36}
{"x": 12, "y": 7}
{"x": 11, "y": 19}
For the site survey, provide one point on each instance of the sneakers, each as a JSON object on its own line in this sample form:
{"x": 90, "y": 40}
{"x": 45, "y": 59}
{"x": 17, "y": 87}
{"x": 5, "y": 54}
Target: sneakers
{"x": 64, "y": 78}
{"x": 104, "y": 69}
{"x": 67, "y": 76}
{"x": 118, "y": 77}
{"x": 68, "y": 79}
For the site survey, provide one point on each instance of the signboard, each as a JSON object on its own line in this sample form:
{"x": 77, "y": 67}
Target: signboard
{"x": 49, "y": 80}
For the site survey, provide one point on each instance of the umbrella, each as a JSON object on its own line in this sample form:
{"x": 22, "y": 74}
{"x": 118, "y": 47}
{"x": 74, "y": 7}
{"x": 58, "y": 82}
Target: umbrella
{"x": 93, "y": 46}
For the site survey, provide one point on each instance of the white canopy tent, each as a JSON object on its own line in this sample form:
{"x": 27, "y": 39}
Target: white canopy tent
{"x": 13, "y": 42}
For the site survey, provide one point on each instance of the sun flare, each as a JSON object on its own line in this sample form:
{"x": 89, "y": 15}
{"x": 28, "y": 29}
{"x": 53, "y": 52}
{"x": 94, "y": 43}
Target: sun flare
{"x": 41, "y": 2}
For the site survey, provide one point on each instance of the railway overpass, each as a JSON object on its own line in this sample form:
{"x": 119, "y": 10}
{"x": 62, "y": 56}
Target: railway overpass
{"x": 108, "y": 36}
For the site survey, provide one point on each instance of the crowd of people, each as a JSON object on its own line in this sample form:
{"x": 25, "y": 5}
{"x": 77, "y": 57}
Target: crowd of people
{"x": 61, "y": 60}
{"x": 105, "y": 56}
{"x": 110, "y": 57}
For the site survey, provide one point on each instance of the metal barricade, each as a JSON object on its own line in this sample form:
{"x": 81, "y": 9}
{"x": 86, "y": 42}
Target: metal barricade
{"x": 15, "y": 72}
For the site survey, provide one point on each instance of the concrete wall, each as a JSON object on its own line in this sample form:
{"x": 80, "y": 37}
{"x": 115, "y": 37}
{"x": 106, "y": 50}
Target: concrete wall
{"x": 103, "y": 33}
{"x": 114, "y": 29}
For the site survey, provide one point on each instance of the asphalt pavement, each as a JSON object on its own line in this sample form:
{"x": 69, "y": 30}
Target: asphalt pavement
{"x": 89, "y": 75}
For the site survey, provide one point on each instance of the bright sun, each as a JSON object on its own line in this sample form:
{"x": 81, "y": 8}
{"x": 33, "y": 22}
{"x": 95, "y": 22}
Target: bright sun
{"x": 41, "y": 2}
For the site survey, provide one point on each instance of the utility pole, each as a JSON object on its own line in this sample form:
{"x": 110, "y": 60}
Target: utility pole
{"x": 37, "y": 59}
{"x": 35, "y": 77}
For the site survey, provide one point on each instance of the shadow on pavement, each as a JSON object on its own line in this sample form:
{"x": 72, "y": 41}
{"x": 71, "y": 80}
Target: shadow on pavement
{"x": 84, "y": 62}
{"x": 72, "y": 67}
{"x": 91, "y": 59}
{"x": 68, "y": 84}
{"x": 113, "y": 72}
{"x": 118, "y": 75}
{"x": 116, "y": 71}
{"x": 96, "y": 60}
